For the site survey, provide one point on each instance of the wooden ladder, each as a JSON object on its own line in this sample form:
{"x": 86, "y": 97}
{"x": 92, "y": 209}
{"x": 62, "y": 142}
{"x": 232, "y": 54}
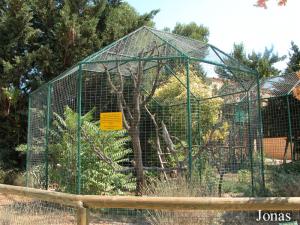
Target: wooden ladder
{"x": 163, "y": 162}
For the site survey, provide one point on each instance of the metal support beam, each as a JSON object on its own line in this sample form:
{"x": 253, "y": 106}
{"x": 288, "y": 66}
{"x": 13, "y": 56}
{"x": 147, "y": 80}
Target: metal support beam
{"x": 49, "y": 89}
{"x": 260, "y": 135}
{"x": 28, "y": 140}
{"x": 189, "y": 117}
{"x": 290, "y": 128}
{"x": 79, "y": 95}
{"x": 250, "y": 146}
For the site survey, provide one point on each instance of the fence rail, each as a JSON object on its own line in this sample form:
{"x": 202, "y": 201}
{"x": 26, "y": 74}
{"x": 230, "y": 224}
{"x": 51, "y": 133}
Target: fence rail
{"x": 83, "y": 202}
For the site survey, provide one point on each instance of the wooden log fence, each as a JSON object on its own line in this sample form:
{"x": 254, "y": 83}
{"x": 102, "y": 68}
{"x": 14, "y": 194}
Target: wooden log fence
{"x": 83, "y": 202}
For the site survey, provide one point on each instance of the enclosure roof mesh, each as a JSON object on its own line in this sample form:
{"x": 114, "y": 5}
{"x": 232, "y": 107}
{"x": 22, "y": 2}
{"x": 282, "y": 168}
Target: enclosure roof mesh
{"x": 277, "y": 86}
{"x": 149, "y": 44}
{"x": 168, "y": 45}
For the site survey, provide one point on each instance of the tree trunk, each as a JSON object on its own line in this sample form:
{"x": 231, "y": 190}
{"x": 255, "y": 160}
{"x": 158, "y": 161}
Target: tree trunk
{"x": 138, "y": 160}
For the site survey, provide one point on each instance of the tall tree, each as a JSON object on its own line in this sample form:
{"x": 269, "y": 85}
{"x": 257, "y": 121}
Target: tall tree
{"x": 16, "y": 38}
{"x": 264, "y": 62}
{"x": 293, "y": 64}
{"x": 121, "y": 19}
{"x": 192, "y": 30}
{"x": 39, "y": 39}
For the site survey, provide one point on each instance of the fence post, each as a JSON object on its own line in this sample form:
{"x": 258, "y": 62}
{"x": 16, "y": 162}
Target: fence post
{"x": 82, "y": 215}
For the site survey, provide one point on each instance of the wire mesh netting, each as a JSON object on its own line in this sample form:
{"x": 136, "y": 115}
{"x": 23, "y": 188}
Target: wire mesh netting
{"x": 152, "y": 108}
{"x": 16, "y": 210}
{"x": 193, "y": 217}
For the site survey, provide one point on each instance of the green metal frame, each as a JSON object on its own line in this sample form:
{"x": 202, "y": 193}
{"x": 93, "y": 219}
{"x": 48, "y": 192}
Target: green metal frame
{"x": 28, "y": 138}
{"x": 48, "y": 119}
{"x": 260, "y": 131}
{"x": 79, "y": 111}
{"x": 189, "y": 117}
{"x": 250, "y": 147}
{"x": 290, "y": 128}
{"x": 183, "y": 58}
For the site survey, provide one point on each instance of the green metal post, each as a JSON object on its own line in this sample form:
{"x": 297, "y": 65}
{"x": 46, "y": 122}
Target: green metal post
{"x": 290, "y": 127}
{"x": 260, "y": 133}
{"x": 189, "y": 116}
{"x": 47, "y": 135}
{"x": 198, "y": 124}
{"x": 240, "y": 121}
{"x": 250, "y": 147}
{"x": 79, "y": 95}
{"x": 199, "y": 138}
{"x": 28, "y": 141}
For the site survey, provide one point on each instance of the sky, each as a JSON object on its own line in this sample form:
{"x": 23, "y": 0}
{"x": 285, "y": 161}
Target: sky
{"x": 232, "y": 21}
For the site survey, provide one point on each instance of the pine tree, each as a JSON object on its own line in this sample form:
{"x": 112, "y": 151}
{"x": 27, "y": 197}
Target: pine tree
{"x": 263, "y": 63}
{"x": 293, "y": 64}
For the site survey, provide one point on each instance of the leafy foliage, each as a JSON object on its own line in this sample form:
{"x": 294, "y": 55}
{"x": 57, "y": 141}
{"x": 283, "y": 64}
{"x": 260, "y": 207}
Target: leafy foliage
{"x": 121, "y": 19}
{"x": 173, "y": 92}
{"x": 102, "y": 155}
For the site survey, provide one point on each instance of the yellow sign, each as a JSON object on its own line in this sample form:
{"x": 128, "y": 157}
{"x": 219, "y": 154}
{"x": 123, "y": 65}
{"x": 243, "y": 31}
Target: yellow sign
{"x": 111, "y": 121}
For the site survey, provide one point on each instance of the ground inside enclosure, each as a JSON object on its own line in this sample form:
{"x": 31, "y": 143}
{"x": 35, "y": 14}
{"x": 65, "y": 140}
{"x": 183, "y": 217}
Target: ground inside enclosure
{"x": 15, "y": 210}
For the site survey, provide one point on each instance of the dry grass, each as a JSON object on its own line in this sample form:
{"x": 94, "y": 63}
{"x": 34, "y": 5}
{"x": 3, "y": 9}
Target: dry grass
{"x": 15, "y": 210}
{"x": 180, "y": 187}
{"x": 23, "y": 211}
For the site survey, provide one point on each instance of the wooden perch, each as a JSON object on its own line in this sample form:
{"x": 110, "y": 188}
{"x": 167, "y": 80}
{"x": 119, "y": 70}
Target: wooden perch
{"x": 158, "y": 146}
{"x": 167, "y": 138}
{"x": 159, "y": 151}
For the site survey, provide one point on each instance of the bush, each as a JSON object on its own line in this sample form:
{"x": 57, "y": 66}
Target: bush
{"x": 12, "y": 177}
{"x": 284, "y": 180}
{"x": 102, "y": 155}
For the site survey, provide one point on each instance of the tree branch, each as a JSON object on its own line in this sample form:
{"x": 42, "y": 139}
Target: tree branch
{"x": 154, "y": 86}
{"x": 119, "y": 95}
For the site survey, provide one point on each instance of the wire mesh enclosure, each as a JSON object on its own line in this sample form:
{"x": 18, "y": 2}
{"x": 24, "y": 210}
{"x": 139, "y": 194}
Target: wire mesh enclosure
{"x": 148, "y": 109}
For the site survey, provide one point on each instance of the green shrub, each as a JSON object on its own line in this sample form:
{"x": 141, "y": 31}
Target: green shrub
{"x": 12, "y": 177}
{"x": 283, "y": 180}
{"x": 241, "y": 186}
{"x": 102, "y": 155}
{"x": 2, "y": 175}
